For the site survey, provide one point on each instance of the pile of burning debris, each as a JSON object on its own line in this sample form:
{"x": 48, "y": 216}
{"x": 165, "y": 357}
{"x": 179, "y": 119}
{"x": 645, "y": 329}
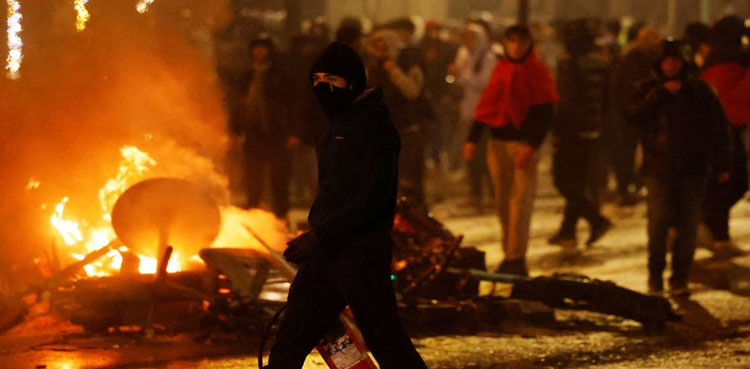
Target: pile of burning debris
{"x": 436, "y": 278}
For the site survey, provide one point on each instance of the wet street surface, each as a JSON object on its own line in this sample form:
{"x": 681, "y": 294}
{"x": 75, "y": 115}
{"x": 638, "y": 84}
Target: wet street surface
{"x": 714, "y": 331}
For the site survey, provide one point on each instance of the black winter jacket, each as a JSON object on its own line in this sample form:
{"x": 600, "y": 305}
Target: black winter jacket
{"x": 684, "y": 134}
{"x": 357, "y": 174}
{"x": 582, "y": 83}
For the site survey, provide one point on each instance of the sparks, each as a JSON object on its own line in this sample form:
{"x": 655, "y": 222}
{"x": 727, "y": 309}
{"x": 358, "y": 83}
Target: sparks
{"x": 142, "y": 6}
{"x": 82, "y": 14}
{"x": 33, "y": 184}
{"x": 15, "y": 44}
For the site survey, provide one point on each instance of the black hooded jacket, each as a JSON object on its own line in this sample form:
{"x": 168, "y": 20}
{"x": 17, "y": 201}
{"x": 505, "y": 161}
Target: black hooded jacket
{"x": 357, "y": 174}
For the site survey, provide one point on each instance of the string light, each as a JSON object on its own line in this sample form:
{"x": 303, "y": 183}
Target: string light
{"x": 15, "y": 44}
{"x": 82, "y": 14}
{"x": 142, "y": 6}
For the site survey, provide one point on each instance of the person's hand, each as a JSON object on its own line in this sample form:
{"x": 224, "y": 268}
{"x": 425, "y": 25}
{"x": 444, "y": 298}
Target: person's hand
{"x": 292, "y": 142}
{"x": 470, "y": 151}
{"x": 723, "y": 177}
{"x": 525, "y": 157}
{"x": 389, "y": 65}
{"x": 673, "y": 85}
{"x": 299, "y": 249}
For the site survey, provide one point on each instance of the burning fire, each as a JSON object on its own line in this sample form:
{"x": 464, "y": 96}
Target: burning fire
{"x": 135, "y": 164}
{"x": 79, "y": 237}
{"x": 83, "y": 238}
{"x": 82, "y": 14}
{"x": 15, "y": 44}
{"x": 142, "y": 6}
{"x": 68, "y": 229}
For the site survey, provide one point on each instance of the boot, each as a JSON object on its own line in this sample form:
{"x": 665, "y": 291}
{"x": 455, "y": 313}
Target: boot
{"x": 517, "y": 267}
{"x": 598, "y": 229}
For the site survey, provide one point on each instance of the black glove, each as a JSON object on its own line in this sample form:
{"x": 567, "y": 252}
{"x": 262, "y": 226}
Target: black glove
{"x": 300, "y": 248}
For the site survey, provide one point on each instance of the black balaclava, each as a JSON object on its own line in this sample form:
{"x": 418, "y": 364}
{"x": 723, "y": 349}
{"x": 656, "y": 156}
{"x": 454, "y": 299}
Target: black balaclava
{"x": 339, "y": 59}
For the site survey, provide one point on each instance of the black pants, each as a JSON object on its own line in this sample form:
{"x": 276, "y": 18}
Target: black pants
{"x": 276, "y": 159}
{"x": 576, "y": 175}
{"x": 358, "y": 277}
{"x": 721, "y": 197}
{"x": 673, "y": 202}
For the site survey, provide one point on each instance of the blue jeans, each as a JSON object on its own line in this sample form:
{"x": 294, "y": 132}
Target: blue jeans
{"x": 673, "y": 202}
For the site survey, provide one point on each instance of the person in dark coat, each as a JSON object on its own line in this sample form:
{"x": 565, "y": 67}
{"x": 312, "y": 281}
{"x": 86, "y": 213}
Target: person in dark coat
{"x": 725, "y": 73}
{"x": 685, "y": 140}
{"x": 264, "y": 126}
{"x": 635, "y": 65}
{"x": 582, "y": 85}
{"x": 346, "y": 257}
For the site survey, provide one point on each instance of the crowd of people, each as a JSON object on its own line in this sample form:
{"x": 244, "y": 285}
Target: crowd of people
{"x": 480, "y": 102}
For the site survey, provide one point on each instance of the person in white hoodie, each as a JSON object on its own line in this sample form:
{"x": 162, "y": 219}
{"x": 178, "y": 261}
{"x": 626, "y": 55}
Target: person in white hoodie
{"x": 472, "y": 69}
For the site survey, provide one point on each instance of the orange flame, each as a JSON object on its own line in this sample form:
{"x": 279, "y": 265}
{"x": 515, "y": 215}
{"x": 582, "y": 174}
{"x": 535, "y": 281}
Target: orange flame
{"x": 82, "y": 238}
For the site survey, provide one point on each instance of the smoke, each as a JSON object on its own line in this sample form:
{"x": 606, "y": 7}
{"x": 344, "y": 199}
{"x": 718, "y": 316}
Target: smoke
{"x": 145, "y": 80}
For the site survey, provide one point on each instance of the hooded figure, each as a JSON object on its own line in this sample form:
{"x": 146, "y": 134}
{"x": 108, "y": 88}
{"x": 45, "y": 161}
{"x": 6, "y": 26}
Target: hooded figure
{"x": 684, "y": 135}
{"x": 346, "y": 257}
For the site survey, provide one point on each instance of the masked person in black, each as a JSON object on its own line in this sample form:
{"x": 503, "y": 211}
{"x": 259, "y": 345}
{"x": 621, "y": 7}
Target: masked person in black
{"x": 346, "y": 257}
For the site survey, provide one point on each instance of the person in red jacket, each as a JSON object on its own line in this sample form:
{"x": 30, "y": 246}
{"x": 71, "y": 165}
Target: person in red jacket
{"x": 517, "y": 107}
{"x": 730, "y": 80}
